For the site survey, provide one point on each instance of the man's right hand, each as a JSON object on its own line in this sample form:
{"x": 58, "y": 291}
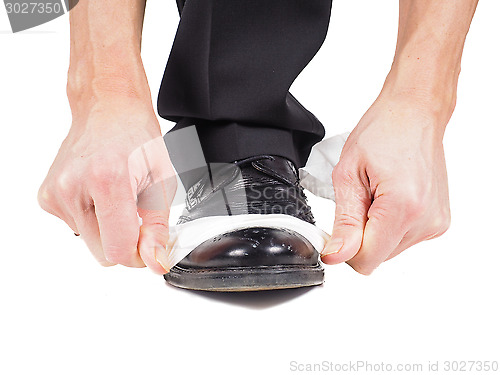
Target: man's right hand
{"x": 114, "y": 155}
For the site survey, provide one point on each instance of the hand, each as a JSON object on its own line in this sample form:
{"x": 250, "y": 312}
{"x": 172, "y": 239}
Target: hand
{"x": 390, "y": 185}
{"x": 114, "y": 155}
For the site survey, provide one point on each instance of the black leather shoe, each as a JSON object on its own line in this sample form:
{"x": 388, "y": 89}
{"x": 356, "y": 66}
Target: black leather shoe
{"x": 255, "y": 257}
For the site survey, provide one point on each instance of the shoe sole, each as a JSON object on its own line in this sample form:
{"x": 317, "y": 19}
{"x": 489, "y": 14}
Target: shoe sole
{"x": 245, "y": 278}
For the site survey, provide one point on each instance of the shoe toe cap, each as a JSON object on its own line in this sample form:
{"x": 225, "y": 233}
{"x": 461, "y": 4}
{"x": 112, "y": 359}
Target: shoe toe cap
{"x": 252, "y": 247}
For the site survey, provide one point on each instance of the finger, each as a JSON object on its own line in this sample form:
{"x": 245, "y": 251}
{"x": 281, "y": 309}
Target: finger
{"x": 89, "y": 231}
{"x": 53, "y": 207}
{"x": 153, "y": 207}
{"x": 151, "y": 160}
{"x": 430, "y": 226}
{"x": 385, "y": 228}
{"x": 152, "y": 249}
{"x": 68, "y": 219}
{"x": 154, "y": 201}
{"x": 436, "y": 229}
{"x": 405, "y": 243}
{"x": 352, "y": 198}
{"x": 116, "y": 213}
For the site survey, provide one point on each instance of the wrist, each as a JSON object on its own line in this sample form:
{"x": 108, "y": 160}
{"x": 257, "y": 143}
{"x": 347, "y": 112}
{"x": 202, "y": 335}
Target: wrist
{"x": 111, "y": 115}
{"x": 426, "y": 68}
{"x": 117, "y": 83}
{"x": 425, "y": 86}
{"x": 87, "y": 79}
{"x": 112, "y": 68}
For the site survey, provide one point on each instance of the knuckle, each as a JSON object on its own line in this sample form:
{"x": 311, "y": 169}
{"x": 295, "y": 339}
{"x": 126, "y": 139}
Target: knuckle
{"x": 105, "y": 263}
{"x": 414, "y": 204}
{"x": 361, "y": 269}
{"x": 161, "y": 224}
{"x": 348, "y": 219}
{"x": 44, "y": 197}
{"x": 47, "y": 200}
{"x": 440, "y": 225}
{"x": 62, "y": 181}
{"x": 341, "y": 174}
{"x": 348, "y": 185}
{"x": 158, "y": 219}
{"x": 416, "y": 210}
{"x": 446, "y": 223}
{"x": 104, "y": 172}
{"x": 157, "y": 225}
{"x": 118, "y": 255}
{"x": 99, "y": 172}
{"x": 64, "y": 184}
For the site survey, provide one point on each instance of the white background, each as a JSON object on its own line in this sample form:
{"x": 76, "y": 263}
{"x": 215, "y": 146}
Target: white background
{"x": 61, "y": 313}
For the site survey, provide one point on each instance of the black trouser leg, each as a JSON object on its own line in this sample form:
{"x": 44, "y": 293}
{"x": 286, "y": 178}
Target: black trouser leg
{"x": 229, "y": 72}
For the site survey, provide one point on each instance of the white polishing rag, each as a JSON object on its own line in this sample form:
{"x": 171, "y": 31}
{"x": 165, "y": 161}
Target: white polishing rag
{"x": 316, "y": 176}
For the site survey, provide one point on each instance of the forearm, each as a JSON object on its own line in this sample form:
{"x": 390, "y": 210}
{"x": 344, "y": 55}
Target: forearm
{"x": 430, "y": 42}
{"x": 105, "y": 59}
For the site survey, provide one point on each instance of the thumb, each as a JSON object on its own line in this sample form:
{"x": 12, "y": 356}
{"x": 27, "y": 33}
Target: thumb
{"x": 154, "y": 233}
{"x": 353, "y": 199}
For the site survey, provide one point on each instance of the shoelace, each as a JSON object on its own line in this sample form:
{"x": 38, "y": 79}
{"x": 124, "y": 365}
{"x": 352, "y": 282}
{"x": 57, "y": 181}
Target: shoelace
{"x": 304, "y": 211}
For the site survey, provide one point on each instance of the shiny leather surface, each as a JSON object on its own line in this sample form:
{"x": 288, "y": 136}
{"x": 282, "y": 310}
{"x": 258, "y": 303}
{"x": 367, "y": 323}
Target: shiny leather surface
{"x": 258, "y": 185}
{"x": 252, "y": 247}
{"x": 263, "y": 185}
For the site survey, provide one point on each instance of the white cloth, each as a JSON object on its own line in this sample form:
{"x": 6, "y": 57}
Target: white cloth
{"x": 316, "y": 177}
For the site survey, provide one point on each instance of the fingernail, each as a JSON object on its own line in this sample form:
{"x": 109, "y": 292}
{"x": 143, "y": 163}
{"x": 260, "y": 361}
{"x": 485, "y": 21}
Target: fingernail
{"x": 333, "y": 247}
{"x": 161, "y": 256}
